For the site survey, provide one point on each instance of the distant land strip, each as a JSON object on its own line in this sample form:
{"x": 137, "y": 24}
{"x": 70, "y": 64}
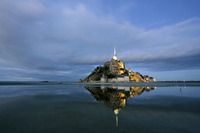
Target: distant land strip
{"x": 156, "y": 84}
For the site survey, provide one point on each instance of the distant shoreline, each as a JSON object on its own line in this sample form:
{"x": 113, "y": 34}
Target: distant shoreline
{"x": 142, "y": 84}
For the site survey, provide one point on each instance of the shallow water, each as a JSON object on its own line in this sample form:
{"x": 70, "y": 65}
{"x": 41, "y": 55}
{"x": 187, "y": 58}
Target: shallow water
{"x": 99, "y": 108}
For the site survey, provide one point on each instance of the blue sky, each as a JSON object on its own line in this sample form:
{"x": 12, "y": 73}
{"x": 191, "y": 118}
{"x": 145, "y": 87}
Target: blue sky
{"x": 59, "y": 40}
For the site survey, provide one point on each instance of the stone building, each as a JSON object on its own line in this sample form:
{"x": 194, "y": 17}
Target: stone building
{"x": 115, "y": 65}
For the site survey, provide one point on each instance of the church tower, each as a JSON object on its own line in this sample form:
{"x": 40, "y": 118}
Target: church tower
{"x": 115, "y": 57}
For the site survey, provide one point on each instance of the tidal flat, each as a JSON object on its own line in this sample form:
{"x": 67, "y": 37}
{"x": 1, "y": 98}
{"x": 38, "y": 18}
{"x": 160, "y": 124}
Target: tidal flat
{"x": 98, "y": 108}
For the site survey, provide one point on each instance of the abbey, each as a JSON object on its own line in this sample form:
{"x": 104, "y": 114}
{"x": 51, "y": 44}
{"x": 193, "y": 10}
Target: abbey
{"x": 115, "y": 71}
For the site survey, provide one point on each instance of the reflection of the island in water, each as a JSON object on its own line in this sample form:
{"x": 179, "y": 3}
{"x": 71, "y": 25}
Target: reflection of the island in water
{"x": 116, "y": 97}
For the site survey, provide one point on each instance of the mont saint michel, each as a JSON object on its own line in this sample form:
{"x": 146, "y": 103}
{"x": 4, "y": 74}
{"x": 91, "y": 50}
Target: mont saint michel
{"x": 114, "y": 71}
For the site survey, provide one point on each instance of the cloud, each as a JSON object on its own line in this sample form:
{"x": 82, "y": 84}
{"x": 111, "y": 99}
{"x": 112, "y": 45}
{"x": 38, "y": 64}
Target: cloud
{"x": 42, "y": 37}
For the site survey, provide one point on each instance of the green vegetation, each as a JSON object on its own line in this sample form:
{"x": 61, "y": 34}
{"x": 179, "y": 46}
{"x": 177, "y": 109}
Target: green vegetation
{"x": 126, "y": 73}
{"x": 110, "y": 75}
{"x": 99, "y": 72}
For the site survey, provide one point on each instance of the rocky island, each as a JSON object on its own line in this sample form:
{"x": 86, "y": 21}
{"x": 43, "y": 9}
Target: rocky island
{"x": 114, "y": 71}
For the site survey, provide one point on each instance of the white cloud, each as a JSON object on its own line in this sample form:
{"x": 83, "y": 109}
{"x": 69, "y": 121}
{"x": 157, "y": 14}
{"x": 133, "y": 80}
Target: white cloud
{"x": 46, "y": 34}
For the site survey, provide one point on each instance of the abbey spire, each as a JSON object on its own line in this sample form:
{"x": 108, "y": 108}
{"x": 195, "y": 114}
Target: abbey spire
{"x": 115, "y": 57}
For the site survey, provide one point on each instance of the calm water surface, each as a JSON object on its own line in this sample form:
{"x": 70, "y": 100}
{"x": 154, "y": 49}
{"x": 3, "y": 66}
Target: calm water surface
{"x": 99, "y": 108}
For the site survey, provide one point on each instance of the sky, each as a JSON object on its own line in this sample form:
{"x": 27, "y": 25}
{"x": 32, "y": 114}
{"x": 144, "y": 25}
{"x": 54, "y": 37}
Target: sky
{"x": 59, "y": 40}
